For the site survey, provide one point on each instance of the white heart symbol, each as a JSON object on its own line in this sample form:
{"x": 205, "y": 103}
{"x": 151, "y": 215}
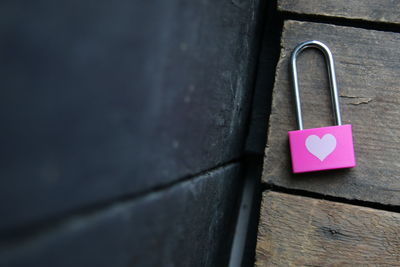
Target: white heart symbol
{"x": 321, "y": 147}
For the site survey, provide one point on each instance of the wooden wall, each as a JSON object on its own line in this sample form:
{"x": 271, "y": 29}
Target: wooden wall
{"x": 123, "y": 128}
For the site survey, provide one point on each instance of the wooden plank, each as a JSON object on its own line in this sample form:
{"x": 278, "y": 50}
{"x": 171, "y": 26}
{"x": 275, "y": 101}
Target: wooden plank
{"x": 367, "y": 67}
{"x": 105, "y": 100}
{"x": 369, "y": 10}
{"x": 301, "y": 231}
{"x": 189, "y": 224}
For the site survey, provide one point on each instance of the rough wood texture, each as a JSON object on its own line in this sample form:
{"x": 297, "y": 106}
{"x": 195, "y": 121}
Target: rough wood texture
{"x": 369, "y": 10}
{"x": 299, "y": 231}
{"x": 108, "y": 99}
{"x": 367, "y": 67}
{"x": 189, "y": 224}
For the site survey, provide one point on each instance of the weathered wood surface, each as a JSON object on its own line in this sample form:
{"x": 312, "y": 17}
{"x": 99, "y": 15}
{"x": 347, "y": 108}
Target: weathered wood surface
{"x": 367, "y": 67}
{"x": 189, "y": 224}
{"x": 370, "y": 10}
{"x": 299, "y": 231}
{"x": 105, "y": 100}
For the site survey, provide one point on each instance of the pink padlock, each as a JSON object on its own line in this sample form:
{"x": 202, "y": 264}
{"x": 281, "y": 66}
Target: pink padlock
{"x": 322, "y": 148}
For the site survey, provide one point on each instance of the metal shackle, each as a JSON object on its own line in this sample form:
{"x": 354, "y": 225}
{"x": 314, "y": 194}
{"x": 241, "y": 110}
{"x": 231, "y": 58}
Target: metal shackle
{"x": 332, "y": 79}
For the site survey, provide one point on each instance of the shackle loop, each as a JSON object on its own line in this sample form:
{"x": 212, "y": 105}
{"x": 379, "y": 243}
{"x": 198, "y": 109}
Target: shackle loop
{"x": 331, "y": 74}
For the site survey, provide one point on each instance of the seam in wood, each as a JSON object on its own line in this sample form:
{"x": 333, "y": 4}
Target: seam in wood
{"x": 319, "y": 196}
{"x": 357, "y": 100}
{"x": 341, "y": 21}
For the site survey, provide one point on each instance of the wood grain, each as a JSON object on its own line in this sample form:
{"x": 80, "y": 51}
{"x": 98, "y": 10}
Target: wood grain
{"x": 368, "y": 68}
{"x": 369, "y": 10}
{"x": 300, "y": 231}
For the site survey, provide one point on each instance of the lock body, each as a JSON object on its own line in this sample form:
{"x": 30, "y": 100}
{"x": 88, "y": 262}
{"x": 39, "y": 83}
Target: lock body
{"x": 321, "y": 149}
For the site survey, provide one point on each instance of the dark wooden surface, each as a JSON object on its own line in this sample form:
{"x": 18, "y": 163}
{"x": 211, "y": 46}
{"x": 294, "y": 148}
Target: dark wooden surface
{"x": 108, "y": 100}
{"x": 261, "y": 102}
{"x": 184, "y": 225}
{"x": 299, "y": 231}
{"x": 123, "y": 130}
{"x": 367, "y": 67}
{"x": 368, "y": 10}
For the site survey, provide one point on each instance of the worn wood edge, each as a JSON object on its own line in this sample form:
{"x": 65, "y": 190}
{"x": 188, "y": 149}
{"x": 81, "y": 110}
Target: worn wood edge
{"x": 282, "y": 55}
{"x": 279, "y": 65}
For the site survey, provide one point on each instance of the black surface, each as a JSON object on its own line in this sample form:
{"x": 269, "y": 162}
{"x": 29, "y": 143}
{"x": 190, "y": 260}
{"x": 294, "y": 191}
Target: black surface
{"x": 190, "y": 224}
{"x": 245, "y": 236}
{"x": 261, "y": 102}
{"x": 102, "y": 99}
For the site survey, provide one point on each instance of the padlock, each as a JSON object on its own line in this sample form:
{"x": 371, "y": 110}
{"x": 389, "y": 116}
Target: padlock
{"x": 322, "y": 148}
